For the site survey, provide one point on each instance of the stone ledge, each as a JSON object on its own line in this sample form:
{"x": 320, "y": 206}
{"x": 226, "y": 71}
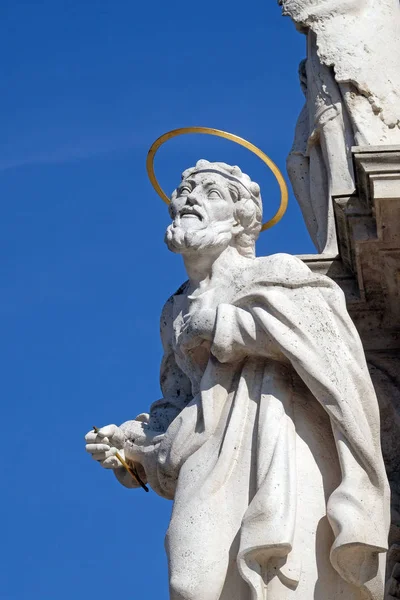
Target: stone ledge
{"x": 368, "y": 229}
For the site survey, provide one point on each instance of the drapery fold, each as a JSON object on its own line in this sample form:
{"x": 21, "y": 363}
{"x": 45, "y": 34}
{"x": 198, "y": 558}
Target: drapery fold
{"x": 283, "y": 329}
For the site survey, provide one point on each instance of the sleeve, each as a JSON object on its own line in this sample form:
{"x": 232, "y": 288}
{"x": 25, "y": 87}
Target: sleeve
{"x": 146, "y": 430}
{"x": 177, "y": 392}
{"x": 238, "y": 334}
{"x": 175, "y": 385}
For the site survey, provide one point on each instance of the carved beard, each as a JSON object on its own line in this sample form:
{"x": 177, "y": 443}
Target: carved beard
{"x": 216, "y": 235}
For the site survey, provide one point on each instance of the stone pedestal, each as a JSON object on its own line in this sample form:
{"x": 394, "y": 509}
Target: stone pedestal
{"x": 368, "y": 271}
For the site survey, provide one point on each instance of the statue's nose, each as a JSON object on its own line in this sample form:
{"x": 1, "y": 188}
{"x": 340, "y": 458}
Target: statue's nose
{"x": 191, "y": 200}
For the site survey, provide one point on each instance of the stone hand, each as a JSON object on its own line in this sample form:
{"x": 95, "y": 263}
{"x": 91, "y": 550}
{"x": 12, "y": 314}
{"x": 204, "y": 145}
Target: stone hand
{"x": 198, "y": 328}
{"x": 104, "y": 445}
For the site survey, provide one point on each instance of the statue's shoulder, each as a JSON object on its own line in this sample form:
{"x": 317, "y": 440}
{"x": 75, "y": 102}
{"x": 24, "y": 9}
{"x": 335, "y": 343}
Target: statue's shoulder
{"x": 166, "y": 312}
{"x": 279, "y": 267}
{"x": 181, "y": 289}
{"x": 291, "y": 272}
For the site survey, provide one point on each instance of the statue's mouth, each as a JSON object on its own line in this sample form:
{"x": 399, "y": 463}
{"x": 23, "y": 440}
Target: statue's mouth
{"x": 190, "y": 212}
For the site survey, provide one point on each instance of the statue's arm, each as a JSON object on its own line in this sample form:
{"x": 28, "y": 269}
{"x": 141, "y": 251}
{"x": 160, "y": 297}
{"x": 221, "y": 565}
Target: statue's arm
{"x": 176, "y": 393}
{"x": 175, "y": 385}
{"x": 238, "y": 333}
{"x": 144, "y": 434}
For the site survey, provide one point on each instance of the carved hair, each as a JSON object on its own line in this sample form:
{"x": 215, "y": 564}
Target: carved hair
{"x": 247, "y": 199}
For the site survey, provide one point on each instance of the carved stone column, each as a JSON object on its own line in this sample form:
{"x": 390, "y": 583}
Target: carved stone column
{"x": 368, "y": 270}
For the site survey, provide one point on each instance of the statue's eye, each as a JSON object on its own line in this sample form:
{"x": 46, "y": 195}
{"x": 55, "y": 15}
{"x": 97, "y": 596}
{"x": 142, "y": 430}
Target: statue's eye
{"x": 214, "y": 194}
{"x": 184, "y": 190}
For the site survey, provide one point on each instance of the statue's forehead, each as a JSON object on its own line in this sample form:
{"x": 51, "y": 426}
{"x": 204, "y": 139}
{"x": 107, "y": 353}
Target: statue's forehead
{"x": 209, "y": 176}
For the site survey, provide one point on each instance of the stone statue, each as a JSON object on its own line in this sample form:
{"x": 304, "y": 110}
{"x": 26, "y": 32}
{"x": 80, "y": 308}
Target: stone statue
{"x": 267, "y": 433}
{"x": 351, "y": 81}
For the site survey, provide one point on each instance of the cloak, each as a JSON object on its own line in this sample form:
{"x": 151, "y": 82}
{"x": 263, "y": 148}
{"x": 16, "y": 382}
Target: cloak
{"x": 229, "y": 441}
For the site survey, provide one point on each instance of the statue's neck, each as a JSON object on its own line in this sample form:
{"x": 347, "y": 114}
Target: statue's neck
{"x": 204, "y": 266}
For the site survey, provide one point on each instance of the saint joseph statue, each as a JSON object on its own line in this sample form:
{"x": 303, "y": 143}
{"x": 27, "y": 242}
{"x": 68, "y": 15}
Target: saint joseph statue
{"x": 267, "y": 435}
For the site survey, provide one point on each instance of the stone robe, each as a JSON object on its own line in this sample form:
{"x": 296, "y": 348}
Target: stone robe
{"x": 268, "y": 441}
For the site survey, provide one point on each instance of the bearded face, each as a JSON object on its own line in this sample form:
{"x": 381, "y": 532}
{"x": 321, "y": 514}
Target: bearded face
{"x": 202, "y": 211}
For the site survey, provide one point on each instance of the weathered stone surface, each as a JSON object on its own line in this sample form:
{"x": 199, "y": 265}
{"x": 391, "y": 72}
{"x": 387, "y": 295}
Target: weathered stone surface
{"x": 267, "y": 435}
{"x": 351, "y": 81}
{"x": 368, "y": 270}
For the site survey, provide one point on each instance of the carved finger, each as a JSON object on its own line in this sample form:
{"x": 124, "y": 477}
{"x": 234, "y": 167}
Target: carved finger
{"x": 95, "y": 448}
{"x": 113, "y": 434}
{"x": 107, "y": 431}
{"x": 101, "y": 456}
{"x": 111, "y": 463}
{"x": 143, "y": 418}
{"x": 94, "y": 438}
{"x": 118, "y": 439}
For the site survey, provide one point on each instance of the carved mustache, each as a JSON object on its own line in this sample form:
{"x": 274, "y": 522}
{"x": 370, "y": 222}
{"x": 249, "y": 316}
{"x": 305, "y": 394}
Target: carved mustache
{"x": 190, "y": 210}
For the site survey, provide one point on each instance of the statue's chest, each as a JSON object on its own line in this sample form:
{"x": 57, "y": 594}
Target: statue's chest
{"x": 194, "y": 361}
{"x": 185, "y": 306}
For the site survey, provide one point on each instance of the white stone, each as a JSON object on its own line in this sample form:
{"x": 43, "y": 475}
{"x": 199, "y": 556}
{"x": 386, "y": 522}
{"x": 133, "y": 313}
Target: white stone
{"x": 351, "y": 80}
{"x": 267, "y": 435}
{"x": 368, "y": 271}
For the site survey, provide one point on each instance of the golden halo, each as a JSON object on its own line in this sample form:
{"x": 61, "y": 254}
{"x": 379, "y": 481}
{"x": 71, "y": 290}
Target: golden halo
{"x": 228, "y": 136}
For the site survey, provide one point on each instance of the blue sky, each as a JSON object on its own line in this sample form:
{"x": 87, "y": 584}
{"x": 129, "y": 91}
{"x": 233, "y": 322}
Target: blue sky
{"x": 86, "y": 88}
